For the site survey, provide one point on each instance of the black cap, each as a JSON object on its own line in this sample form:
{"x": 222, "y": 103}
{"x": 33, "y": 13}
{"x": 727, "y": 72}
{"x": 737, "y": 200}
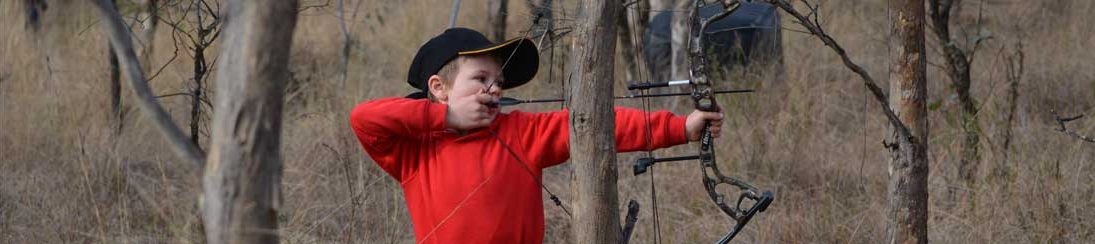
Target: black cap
{"x": 519, "y": 57}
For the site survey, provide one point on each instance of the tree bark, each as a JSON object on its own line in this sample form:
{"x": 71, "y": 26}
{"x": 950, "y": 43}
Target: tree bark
{"x": 115, "y": 84}
{"x": 1014, "y": 74}
{"x": 958, "y": 70}
{"x": 496, "y": 16}
{"x": 627, "y": 46}
{"x": 679, "y": 41}
{"x": 148, "y": 32}
{"x": 638, "y": 18}
{"x": 242, "y": 181}
{"x": 200, "y": 70}
{"x": 344, "y": 55}
{"x": 592, "y": 141}
{"x": 115, "y": 89}
{"x": 908, "y": 185}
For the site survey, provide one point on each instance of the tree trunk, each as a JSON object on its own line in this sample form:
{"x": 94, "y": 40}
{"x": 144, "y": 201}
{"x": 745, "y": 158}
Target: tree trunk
{"x": 659, "y": 5}
{"x": 908, "y": 185}
{"x": 242, "y": 181}
{"x": 200, "y": 70}
{"x": 958, "y": 70}
{"x": 344, "y": 55}
{"x": 496, "y": 16}
{"x": 679, "y": 40}
{"x": 115, "y": 85}
{"x": 1014, "y": 74}
{"x": 627, "y": 46}
{"x": 639, "y": 19}
{"x": 148, "y": 32}
{"x": 115, "y": 90}
{"x": 592, "y": 141}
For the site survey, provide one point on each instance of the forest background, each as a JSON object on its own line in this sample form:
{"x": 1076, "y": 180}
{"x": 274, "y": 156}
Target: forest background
{"x": 811, "y": 133}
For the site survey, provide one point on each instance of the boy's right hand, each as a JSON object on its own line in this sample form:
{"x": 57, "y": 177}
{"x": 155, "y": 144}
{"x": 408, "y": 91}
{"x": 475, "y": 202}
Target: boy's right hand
{"x": 470, "y": 112}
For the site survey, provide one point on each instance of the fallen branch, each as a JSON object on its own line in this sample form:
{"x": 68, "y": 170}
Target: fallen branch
{"x": 1061, "y": 126}
{"x": 123, "y": 45}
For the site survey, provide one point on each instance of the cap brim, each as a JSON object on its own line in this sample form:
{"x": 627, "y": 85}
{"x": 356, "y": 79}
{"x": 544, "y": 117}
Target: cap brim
{"x": 520, "y": 60}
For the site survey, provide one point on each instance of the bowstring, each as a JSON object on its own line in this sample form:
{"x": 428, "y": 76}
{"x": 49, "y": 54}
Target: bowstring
{"x": 551, "y": 195}
{"x": 641, "y": 75}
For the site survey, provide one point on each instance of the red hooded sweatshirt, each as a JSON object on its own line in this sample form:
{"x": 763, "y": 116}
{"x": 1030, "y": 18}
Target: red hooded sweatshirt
{"x": 469, "y": 188}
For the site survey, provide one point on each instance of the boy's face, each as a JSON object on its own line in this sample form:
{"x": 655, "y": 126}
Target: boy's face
{"x": 475, "y": 75}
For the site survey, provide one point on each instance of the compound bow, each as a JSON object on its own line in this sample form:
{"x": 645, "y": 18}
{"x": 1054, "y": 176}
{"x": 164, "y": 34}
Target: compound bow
{"x": 703, "y": 96}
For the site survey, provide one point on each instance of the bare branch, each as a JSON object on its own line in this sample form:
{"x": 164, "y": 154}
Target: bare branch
{"x": 119, "y": 39}
{"x": 1061, "y": 126}
{"x": 814, "y": 27}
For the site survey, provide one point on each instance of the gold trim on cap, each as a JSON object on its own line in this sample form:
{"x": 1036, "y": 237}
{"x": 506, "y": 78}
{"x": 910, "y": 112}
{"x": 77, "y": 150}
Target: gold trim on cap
{"x": 491, "y": 48}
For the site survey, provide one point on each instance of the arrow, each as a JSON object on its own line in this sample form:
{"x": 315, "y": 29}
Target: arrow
{"x": 509, "y": 101}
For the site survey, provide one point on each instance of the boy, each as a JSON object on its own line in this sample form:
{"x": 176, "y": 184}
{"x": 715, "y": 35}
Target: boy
{"x": 469, "y": 173}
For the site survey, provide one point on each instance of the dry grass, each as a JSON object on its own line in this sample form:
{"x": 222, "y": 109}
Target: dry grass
{"x": 814, "y": 138}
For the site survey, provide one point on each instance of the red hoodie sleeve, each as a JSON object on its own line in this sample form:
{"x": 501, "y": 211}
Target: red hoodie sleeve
{"x": 666, "y": 130}
{"x": 549, "y": 133}
{"x": 392, "y": 129}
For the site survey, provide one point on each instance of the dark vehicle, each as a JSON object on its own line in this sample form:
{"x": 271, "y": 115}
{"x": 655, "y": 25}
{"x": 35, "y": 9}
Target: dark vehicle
{"x": 749, "y": 38}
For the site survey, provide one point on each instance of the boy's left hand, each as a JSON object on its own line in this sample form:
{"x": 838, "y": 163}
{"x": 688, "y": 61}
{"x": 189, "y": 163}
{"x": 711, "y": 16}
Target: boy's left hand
{"x": 695, "y": 122}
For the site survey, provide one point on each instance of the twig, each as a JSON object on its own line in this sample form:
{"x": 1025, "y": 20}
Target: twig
{"x": 814, "y": 27}
{"x": 123, "y": 45}
{"x": 344, "y": 58}
{"x": 1061, "y": 121}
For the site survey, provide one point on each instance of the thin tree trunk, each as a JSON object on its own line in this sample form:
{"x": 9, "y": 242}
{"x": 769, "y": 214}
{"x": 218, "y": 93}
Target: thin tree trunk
{"x": 115, "y": 84}
{"x": 200, "y": 70}
{"x": 592, "y": 141}
{"x": 115, "y": 89}
{"x": 242, "y": 181}
{"x": 148, "y": 33}
{"x": 627, "y": 46}
{"x": 908, "y": 185}
{"x": 679, "y": 25}
{"x": 638, "y": 19}
{"x": 1014, "y": 74}
{"x": 496, "y": 16}
{"x": 659, "y": 5}
{"x": 344, "y": 55}
{"x": 958, "y": 70}
{"x": 679, "y": 40}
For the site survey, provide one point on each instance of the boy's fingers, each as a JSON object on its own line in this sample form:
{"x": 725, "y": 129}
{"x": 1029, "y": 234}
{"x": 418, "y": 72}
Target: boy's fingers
{"x": 712, "y": 117}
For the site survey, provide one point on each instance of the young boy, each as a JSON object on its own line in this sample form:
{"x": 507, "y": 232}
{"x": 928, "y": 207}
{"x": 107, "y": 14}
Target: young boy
{"x": 469, "y": 173}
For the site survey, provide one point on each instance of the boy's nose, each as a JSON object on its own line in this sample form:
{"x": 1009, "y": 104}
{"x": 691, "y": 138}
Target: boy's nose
{"x": 494, "y": 89}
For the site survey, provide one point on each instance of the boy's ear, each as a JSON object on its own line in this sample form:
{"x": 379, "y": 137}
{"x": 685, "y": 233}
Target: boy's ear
{"x": 437, "y": 87}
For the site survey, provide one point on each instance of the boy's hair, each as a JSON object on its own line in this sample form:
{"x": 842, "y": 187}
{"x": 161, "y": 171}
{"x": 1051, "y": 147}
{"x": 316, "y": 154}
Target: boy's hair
{"x": 449, "y": 70}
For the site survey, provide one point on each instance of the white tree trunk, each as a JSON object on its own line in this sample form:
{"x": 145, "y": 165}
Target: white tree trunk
{"x": 242, "y": 181}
